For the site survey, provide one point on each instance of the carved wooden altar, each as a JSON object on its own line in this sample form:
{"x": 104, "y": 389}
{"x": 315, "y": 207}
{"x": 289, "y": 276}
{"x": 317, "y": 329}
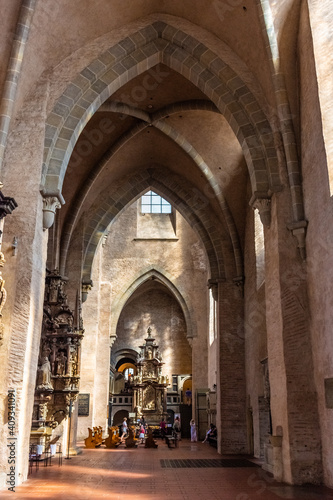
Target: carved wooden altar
{"x": 149, "y": 385}
{"x": 58, "y": 374}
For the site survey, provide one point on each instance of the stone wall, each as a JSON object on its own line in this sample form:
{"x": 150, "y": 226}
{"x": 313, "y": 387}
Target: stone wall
{"x": 159, "y": 310}
{"x": 124, "y": 259}
{"x": 318, "y": 207}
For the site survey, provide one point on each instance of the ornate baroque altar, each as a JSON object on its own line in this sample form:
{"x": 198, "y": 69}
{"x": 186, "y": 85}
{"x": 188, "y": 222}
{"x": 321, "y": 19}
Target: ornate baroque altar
{"x": 149, "y": 385}
{"x": 58, "y": 374}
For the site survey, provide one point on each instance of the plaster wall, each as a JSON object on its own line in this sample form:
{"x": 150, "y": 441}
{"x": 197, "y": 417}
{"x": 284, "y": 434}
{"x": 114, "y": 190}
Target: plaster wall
{"x": 162, "y": 313}
{"x": 120, "y": 260}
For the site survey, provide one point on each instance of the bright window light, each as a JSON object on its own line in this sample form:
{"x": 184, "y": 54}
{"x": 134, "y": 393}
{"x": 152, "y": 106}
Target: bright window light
{"x": 152, "y": 203}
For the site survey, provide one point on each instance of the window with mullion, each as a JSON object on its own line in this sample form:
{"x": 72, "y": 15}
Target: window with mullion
{"x": 152, "y": 203}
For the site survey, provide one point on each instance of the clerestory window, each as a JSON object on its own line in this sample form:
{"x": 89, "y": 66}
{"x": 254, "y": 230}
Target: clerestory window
{"x": 152, "y": 203}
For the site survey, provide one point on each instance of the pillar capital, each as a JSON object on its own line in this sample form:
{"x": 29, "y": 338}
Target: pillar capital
{"x": 86, "y": 287}
{"x": 213, "y": 286}
{"x": 262, "y": 202}
{"x": 113, "y": 338}
{"x": 51, "y": 201}
{"x": 298, "y": 230}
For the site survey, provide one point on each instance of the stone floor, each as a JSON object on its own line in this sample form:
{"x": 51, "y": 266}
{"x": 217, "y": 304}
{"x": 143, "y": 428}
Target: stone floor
{"x": 130, "y": 474}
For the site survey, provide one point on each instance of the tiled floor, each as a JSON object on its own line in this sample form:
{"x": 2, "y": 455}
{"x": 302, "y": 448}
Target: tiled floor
{"x": 136, "y": 474}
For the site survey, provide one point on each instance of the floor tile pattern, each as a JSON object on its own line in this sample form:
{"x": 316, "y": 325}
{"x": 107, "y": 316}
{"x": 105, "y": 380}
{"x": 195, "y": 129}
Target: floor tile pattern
{"x": 206, "y": 462}
{"x": 137, "y": 474}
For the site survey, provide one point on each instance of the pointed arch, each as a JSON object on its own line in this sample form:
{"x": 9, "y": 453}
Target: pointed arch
{"x": 183, "y": 196}
{"x": 160, "y": 42}
{"x": 162, "y": 277}
{"x": 183, "y": 144}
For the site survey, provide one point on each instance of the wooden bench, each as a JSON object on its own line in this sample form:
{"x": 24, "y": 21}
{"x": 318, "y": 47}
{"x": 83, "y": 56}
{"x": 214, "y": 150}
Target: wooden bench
{"x": 212, "y": 441}
{"x": 95, "y": 438}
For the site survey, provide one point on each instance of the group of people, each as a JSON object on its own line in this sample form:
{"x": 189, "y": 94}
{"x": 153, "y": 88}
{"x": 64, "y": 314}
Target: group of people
{"x": 212, "y": 431}
{"x": 177, "y": 429}
{"x": 142, "y": 430}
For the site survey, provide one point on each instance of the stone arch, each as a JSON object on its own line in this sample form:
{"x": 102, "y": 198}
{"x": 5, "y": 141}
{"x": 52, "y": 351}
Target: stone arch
{"x": 160, "y": 42}
{"x": 181, "y": 142}
{"x": 153, "y": 273}
{"x": 188, "y": 377}
{"x": 186, "y": 200}
{"x": 124, "y": 354}
{"x": 119, "y": 416}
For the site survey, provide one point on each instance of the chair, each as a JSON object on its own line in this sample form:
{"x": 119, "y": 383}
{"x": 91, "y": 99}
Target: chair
{"x": 33, "y": 458}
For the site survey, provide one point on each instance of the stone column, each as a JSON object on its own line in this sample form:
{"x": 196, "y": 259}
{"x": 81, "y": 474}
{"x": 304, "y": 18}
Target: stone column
{"x": 293, "y": 395}
{"x": 102, "y": 371}
{"x": 73, "y": 448}
{"x": 22, "y": 319}
{"x": 231, "y": 392}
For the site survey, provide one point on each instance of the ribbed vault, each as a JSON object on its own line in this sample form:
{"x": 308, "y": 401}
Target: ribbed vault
{"x": 153, "y": 44}
{"x": 148, "y": 120}
{"x": 184, "y": 197}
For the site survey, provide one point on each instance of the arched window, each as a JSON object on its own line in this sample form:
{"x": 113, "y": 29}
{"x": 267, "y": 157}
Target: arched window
{"x": 259, "y": 248}
{"x": 212, "y": 319}
{"x": 152, "y": 203}
{"x": 129, "y": 372}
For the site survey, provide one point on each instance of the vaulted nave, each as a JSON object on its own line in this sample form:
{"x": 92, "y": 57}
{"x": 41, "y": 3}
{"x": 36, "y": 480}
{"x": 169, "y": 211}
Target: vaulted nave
{"x": 166, "y": 244}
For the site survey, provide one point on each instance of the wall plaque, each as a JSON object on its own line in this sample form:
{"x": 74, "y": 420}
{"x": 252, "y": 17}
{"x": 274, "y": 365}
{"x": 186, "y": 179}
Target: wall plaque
{"x": 83, "y": 403}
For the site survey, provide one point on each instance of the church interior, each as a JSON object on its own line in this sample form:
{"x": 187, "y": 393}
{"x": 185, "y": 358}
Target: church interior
{"x": 165, "y": 251}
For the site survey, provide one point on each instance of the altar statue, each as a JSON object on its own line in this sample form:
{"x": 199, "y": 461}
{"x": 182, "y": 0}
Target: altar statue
{"x": 45, "y": 374}
{"x": 61, "y": 364}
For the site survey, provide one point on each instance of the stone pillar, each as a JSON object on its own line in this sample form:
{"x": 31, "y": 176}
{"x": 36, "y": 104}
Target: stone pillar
{"x": 95, "y": 353}
{"x": 102, "y": 371}
{"x": 73, "y": 448}
{"x": 231, "y": 392}
{"x": 293, "y": 395}
{"x": 22, "y": 319}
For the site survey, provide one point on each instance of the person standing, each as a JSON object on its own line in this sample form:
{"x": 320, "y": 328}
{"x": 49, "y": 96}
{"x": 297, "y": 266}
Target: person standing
{"x": 176, "y": 428}
{"x": 193, "y": 431}
{"x": 163, "y": 428}
{"x": 142, "y": 433}
{"x": 124, "y": 430}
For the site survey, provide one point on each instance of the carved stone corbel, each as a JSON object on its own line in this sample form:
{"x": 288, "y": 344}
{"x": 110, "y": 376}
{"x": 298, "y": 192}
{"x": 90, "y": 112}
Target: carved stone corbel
{"x": 86, "y": 287}
{"x": 212, "y": 285}
{"x": 263, "y": 204}
{"x": 50, "y": 204}
{"x": 239, "y": 282}
{"x": 113, "y": 338}
{"x": 299, "y": 231}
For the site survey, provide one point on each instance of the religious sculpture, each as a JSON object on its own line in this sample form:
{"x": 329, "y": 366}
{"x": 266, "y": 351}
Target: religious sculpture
{"x": 62, "y": 332}
{"x": 45, "y": 375}
{"x": 72, "y": 366}
{"x": 61, "y": 364}
{"x": 149, "y": 386}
